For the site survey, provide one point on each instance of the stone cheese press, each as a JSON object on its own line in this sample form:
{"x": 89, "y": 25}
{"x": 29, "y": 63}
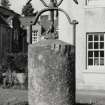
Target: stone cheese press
{"x": 51, "y": 65}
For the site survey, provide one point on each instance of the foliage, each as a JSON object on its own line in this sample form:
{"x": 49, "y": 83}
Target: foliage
{"x": 16, "y": 22}
{"x": 76, "y": 1}
{"x": 5, "y": 3}
{"x": 17, "y": 62}
{"x": 28, "y": 10}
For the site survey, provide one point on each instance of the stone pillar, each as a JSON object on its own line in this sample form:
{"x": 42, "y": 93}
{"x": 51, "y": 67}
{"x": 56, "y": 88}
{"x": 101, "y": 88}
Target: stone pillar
{"x": 51, "y": 73}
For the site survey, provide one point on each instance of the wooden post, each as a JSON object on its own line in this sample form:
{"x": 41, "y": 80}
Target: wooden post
{"x": 29, "y": 34}
{"x": 1, "y": 43}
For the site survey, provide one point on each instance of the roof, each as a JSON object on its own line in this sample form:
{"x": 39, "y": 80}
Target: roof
{"x": 26, "y": 21}
{"x": 44, "y": 22}
{"x": 3, "y": 21}
{"x": 7, "y": 12}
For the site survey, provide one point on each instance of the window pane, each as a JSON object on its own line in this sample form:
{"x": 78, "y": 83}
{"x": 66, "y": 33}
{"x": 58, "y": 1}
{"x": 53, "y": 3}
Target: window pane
{"x": 96, "y": 45}
{"x": 96, "y": 53}
{"x": 90, "y": 53}
{"x": 90, "y": 45}
{"x": 101, "y": 53}
{"x": 101, "y": 37}
{"x": 90, "y": 37}
{"x": 96, "y": 61}
{"x": 101, "y": 45}
{"x": 95, "y": 37}
{"x": 101, "y": 61}
{"x": 90, "y": 61}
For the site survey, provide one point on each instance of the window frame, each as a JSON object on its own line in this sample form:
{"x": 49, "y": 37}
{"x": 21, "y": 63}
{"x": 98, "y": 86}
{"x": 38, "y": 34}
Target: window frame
{"x": 94, "y": 50}
{"x": 35, "y": 36}
{"x": 95, "y": 3}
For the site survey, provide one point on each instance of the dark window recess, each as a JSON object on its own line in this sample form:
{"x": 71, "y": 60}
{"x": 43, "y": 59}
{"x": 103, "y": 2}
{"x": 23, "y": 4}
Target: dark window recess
{"x": 96, "y": 53}
{"x": 90, "y": 61}
{"x": 96, "y": 45}
{"x": 90, "y": 38}
{"x": 101, "y": 53}
{"x": 101, "y": 45}
{"x": 90, "y": 45}
{"x": 101, "y": 37}
{"x": 95, "y": 37}
{"x": 90, "y": 53}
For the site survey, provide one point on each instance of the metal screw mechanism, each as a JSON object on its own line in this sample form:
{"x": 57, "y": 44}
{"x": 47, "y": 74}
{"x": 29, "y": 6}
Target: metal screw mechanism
{"x": 53, "y": 6}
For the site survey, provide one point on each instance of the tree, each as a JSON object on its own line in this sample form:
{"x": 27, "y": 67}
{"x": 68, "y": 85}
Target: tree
{"x": 5, "y": 3}
{"x": 28, "y": 10}
{"x": 76, "y": 1}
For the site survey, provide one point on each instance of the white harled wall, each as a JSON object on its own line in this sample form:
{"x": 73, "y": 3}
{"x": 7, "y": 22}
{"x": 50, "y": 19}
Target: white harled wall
{"x": 95, "y": 22}
{"x": 91, "y": 19}
{"x": 76, "y": 12}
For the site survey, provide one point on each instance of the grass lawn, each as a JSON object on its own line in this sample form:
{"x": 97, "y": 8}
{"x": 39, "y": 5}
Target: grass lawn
{"x": 11, "y": 96}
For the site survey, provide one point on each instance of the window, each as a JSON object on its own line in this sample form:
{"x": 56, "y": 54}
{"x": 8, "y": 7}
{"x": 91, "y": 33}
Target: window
{"x": 34, "y": 36}
{"x": 95, "y": 49}
{"x": 95, "y": 2}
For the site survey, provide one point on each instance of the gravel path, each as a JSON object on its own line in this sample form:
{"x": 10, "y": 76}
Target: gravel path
{"x": 12, "y": 96}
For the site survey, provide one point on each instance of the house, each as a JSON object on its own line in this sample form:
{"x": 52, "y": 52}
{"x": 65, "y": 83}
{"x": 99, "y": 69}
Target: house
{"x": 11, "y": 34}
{"x": 5, "y": 33}
{"x": 89, "y": 40}
{"x": 7, "y": 14}
{"x": 18, "y": 40}
{"x": 5, "y": 36}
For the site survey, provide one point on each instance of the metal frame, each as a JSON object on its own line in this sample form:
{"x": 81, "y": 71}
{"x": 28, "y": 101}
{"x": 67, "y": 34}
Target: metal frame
{"x": 53, "y": 6}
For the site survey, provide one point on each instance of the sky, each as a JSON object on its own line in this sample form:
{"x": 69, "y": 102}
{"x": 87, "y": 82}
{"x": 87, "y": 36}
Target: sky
{"x": 17, "y": 5}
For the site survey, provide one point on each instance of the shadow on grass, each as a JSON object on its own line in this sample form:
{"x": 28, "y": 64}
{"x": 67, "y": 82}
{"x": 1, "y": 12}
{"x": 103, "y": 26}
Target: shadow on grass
{"x": 83, "y": 104}
{"x": 21, "y": 103}
{"x": 26, "y": 103}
